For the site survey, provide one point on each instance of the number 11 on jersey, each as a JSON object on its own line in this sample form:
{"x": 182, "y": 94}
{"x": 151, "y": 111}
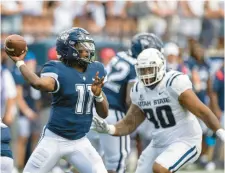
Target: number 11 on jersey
{"x": 82, "y": 90}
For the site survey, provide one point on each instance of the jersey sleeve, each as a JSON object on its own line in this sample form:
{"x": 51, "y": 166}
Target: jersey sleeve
{"x": 132, "y": 76}
{"x": 178, "y": 84}
{"x": 50, "y": 70}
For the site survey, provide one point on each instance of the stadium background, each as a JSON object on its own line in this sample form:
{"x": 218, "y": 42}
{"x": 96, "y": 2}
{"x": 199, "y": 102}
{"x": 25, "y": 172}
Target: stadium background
{"x": 113, "y": 23}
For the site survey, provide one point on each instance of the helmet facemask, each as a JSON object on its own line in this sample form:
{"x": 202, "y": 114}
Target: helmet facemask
{"x": 86, "y": 51}
{"x": 147, "y": 74}
{"x": 150, "y": 67}
{"x": 82, "y": 53}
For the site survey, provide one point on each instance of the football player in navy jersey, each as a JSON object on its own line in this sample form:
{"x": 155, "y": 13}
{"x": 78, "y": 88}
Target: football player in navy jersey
{"x": 121, "y": 77}
{"x": 76, "y": 83}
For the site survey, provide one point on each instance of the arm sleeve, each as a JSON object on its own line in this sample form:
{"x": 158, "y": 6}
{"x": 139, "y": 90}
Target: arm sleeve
{"x": 178, "y": 85}
{"x": 50, "y": 70}
{"x": 9, "y": 84}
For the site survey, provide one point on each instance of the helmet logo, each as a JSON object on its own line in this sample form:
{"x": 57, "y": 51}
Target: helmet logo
{"x": 144, "y": 43}
{"x": 71, "y": 42}
{"x": 64, "y": 36}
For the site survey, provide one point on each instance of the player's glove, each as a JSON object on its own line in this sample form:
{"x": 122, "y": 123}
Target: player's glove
{"x": 221, "y": 134}
{"x": 101, "y": 126}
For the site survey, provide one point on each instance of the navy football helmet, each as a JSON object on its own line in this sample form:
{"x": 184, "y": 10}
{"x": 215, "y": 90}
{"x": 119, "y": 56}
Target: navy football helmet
{"x": 143, "y": 41}
{"x": 71, "y": 44}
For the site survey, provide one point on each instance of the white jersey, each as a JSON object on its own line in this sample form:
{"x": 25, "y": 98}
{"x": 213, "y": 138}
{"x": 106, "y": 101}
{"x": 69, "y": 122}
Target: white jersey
{"x": 171, "y": 121}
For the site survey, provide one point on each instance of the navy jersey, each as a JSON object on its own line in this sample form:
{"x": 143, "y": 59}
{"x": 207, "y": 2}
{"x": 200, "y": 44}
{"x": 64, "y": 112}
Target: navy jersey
{"x": 120, "y": 72}
{"x": 218, "y": 87}
{"x": 204, "y": 74}
{"x": 72, "y": 101}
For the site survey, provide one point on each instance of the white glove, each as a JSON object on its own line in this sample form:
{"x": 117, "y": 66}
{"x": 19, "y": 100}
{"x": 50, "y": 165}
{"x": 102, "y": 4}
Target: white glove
{"x": 221, "y": 134}
{"x": 101, "y": 126}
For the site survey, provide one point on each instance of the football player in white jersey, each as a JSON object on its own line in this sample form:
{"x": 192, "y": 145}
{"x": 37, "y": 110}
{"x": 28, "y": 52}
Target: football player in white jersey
{"x": 167, "y": 100}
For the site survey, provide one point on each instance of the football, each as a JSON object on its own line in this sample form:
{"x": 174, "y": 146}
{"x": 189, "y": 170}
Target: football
{"x": 15, "y": 45}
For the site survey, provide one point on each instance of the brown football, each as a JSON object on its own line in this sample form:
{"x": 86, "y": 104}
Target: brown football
{"x": 15, "y": 45}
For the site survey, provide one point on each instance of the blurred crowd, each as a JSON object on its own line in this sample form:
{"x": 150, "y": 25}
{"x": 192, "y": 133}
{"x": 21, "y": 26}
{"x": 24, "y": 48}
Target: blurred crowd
{"x": 193, "y": 33}
{"x": 171, "y": 20}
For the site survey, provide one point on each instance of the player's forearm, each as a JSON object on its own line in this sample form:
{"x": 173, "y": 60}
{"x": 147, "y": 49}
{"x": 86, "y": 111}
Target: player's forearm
{"x": 102, "y": 107}
{"x": 213, "y": 123}
{"x": 132, "y": 120}
{"x": 123, "y": 128}
{"x": 209, "y": 118}
{"x": 31, "y": 77}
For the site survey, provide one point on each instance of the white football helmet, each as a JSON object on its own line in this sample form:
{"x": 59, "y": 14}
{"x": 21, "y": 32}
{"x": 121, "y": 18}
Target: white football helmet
{"x": 151, "y": 66}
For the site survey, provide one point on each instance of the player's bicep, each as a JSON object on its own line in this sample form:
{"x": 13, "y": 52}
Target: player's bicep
{"x": 48, "y": 84}
{"x": 191, "y": 102}
{"x": 50, "y": 77}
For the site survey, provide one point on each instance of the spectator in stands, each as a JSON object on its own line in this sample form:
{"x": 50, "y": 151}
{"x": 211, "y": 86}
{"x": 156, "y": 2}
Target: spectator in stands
{"x": 28, "y": 121}
{"x": 213, "y": 22}
{"x": 174, "y": 60}
{"x": 116, "y": 9}
{"x": 65, "y": 12}
{"x": 96, "y": 12}
{"x": 11, "y": 18}
{"x": 158, "y": 19}
{"x": 190, "y": 25}
{"x": 34, "y": 8}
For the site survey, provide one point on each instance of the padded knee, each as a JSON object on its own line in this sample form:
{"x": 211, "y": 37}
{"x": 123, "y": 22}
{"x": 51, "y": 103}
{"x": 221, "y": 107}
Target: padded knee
{"x": 39, "y": 157}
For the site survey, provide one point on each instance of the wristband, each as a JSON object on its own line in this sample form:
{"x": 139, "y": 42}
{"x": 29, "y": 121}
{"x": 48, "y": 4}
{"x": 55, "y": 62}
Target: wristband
{"x": 111, "y": 130}
{"x": 221, "y": 134}
{"x": 99, "y": 98}
{"x": 19, "y": 63}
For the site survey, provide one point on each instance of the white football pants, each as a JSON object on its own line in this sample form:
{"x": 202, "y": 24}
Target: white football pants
{"x": 115, "y": 148}
{"x": 6, "y": 164}
{"x": 80, "y": 153}
{"x": 172, "y": 157}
